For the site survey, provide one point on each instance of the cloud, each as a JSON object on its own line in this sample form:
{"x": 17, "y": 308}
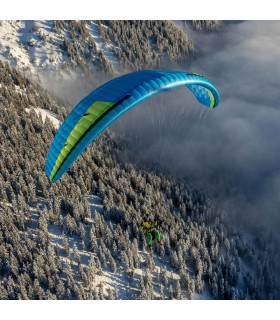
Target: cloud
{"x": 70, "y": 84}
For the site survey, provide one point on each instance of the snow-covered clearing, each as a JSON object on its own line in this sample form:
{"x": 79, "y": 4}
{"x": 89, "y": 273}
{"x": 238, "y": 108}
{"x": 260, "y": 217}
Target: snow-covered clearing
{"x": 46, "y": 113}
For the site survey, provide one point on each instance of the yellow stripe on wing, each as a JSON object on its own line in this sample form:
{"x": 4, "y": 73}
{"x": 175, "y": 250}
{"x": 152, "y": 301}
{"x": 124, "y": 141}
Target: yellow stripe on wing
{"x": 90, "y": 116}
{"x": 212, "y": 98}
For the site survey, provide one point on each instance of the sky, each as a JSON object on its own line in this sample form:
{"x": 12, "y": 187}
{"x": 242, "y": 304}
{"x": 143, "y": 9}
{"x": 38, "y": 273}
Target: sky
{"x": 232, "y": 152}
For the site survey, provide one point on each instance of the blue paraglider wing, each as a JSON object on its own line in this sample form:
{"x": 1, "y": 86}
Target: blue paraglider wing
{"x": 108, "y": 102}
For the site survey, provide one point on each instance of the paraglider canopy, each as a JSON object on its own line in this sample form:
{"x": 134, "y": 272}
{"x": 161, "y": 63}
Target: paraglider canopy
{"x": 108, "y": 102}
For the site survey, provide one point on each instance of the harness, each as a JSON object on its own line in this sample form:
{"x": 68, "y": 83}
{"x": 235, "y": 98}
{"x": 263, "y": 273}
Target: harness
{"x": 148, "y": 226}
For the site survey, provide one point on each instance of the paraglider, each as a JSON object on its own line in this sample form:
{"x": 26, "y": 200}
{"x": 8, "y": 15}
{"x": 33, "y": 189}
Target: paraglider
{"x": 148, "y": 226}
{"x": 108, "y": 102}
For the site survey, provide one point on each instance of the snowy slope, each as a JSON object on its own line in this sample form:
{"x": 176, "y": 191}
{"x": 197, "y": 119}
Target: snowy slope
{"x": 105, "y": 47}
{"x": 47, "y": 113}
{"x": 34, "y": 47}
{"x": 21, "y": 44}
{"x": 127, "y": 286}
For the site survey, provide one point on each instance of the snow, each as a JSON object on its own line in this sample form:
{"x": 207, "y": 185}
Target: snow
{"x": 10, "y": 46}
{"x": 205, "y": 295}
{"x": 95, "y": 204}
{"x": 15, "y": 40}
{"x": 41, "y": 56}
{"x": 46, "y": 113}
{"x": 106, "y": 48}
{"x": 23, "y": 46}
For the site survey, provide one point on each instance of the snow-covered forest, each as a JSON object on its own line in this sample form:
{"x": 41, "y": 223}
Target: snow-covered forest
{"x": 107, "y": 46}
{"x": 80, "y": 238}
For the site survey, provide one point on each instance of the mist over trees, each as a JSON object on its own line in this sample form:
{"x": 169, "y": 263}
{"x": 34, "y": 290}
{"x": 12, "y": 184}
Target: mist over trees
{"x": 201, "y": 251}
{"x": 205, "y": 25}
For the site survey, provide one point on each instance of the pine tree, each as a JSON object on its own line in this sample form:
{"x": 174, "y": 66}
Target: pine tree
{"x": 76, "y": 253}
{"x": 65, "y": 246}
{"x": 177, "y": 291}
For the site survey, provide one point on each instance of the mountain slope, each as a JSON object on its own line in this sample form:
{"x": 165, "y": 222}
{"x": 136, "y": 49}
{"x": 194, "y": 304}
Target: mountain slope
{"x": 37, "y": 47}
{"x": 80, "y": 238}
